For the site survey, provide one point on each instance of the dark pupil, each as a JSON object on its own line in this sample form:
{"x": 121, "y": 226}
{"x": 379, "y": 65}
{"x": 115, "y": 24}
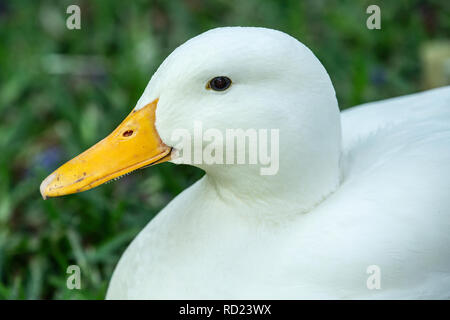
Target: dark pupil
{"x": 220, "y": 83}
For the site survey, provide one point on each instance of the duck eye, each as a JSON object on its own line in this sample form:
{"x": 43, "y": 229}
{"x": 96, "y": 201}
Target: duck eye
{"x": 219, "y": 83}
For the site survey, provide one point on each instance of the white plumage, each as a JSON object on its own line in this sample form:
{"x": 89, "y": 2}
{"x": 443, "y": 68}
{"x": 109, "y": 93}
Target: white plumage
{"x": 378, "y": 196}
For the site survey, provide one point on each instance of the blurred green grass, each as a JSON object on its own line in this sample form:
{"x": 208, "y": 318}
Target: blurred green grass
{"x": 49, "y": 113}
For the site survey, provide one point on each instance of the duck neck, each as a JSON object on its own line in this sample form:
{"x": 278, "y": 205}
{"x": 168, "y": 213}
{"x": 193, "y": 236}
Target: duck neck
{"x": 306, "y": 176}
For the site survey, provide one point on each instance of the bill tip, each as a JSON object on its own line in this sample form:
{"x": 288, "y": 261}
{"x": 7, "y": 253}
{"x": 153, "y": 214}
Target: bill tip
{"x": 44, "y": 185}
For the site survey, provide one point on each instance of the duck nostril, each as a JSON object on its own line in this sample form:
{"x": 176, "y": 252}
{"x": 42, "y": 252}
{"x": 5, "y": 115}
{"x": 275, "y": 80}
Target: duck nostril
{"x": 127, "y": 133}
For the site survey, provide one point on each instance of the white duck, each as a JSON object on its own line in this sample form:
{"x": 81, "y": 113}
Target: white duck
{"x": 376, "y": 192}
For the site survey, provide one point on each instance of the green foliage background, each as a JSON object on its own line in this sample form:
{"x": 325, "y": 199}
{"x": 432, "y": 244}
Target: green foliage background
{"x": 48, "y": 116}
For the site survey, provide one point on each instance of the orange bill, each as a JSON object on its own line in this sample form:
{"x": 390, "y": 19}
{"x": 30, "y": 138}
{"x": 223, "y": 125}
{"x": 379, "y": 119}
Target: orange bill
{"x": 134, "y": 144}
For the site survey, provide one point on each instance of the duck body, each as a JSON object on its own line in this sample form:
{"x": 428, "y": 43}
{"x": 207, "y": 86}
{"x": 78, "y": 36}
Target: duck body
{"x": 391, "y": 210}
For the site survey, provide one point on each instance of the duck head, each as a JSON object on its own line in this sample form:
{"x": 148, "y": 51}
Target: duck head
{"x": 226, "y": 78}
